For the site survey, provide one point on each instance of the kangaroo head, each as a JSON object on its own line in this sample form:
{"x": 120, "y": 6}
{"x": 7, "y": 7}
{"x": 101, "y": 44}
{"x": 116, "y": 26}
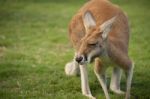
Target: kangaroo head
{"x": 93, "y": 43}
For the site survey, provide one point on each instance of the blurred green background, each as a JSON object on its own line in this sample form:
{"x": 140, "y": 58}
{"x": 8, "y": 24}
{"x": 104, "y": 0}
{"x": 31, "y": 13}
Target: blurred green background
{"x": 34, "y": 48}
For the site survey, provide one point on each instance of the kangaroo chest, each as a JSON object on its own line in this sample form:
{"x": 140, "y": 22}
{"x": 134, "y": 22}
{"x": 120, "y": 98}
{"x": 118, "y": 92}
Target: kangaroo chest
{"x": 106, "y": 60}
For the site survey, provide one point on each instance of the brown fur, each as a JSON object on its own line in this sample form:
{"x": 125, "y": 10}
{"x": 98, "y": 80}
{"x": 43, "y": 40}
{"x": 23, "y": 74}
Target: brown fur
{"x": 100, "y": 31}
{"x": 118, "y": 38}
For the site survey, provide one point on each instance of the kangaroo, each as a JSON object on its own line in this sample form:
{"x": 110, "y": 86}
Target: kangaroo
{"x": 99, "y": 33}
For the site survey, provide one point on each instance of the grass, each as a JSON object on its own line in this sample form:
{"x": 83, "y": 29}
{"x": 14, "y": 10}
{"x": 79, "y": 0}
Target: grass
{"x": 34, "y": 48}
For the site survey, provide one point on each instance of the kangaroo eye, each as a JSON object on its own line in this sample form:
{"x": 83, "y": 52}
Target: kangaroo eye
{"x": 93, "y": 44}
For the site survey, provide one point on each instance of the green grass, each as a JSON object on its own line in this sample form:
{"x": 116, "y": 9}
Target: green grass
{"x": 34, "y": 48}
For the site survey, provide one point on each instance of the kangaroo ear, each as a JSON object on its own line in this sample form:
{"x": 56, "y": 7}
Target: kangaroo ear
{"x": 88, "y": 20}
{"x": 106, "y": 27}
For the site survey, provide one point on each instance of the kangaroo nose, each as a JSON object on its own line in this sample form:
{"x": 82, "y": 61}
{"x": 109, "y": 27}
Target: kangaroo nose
{"x": 79, "y": 59}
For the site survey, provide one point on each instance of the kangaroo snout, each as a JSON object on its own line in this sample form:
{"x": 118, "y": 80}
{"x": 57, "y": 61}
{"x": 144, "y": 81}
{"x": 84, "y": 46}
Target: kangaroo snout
{"x": 79, "y": 59}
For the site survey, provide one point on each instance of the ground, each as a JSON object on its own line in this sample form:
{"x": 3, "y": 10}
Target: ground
{"x": 34, "y": 48}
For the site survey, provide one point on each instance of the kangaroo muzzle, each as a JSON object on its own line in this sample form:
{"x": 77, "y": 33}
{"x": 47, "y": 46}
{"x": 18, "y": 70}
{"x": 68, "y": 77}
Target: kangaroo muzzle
{"x": 81, "y": 59}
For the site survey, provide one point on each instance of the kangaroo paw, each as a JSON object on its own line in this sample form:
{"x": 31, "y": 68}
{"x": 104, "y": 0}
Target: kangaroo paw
{"x": 118, "y": 91}
{"x": 89, "y": 96}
